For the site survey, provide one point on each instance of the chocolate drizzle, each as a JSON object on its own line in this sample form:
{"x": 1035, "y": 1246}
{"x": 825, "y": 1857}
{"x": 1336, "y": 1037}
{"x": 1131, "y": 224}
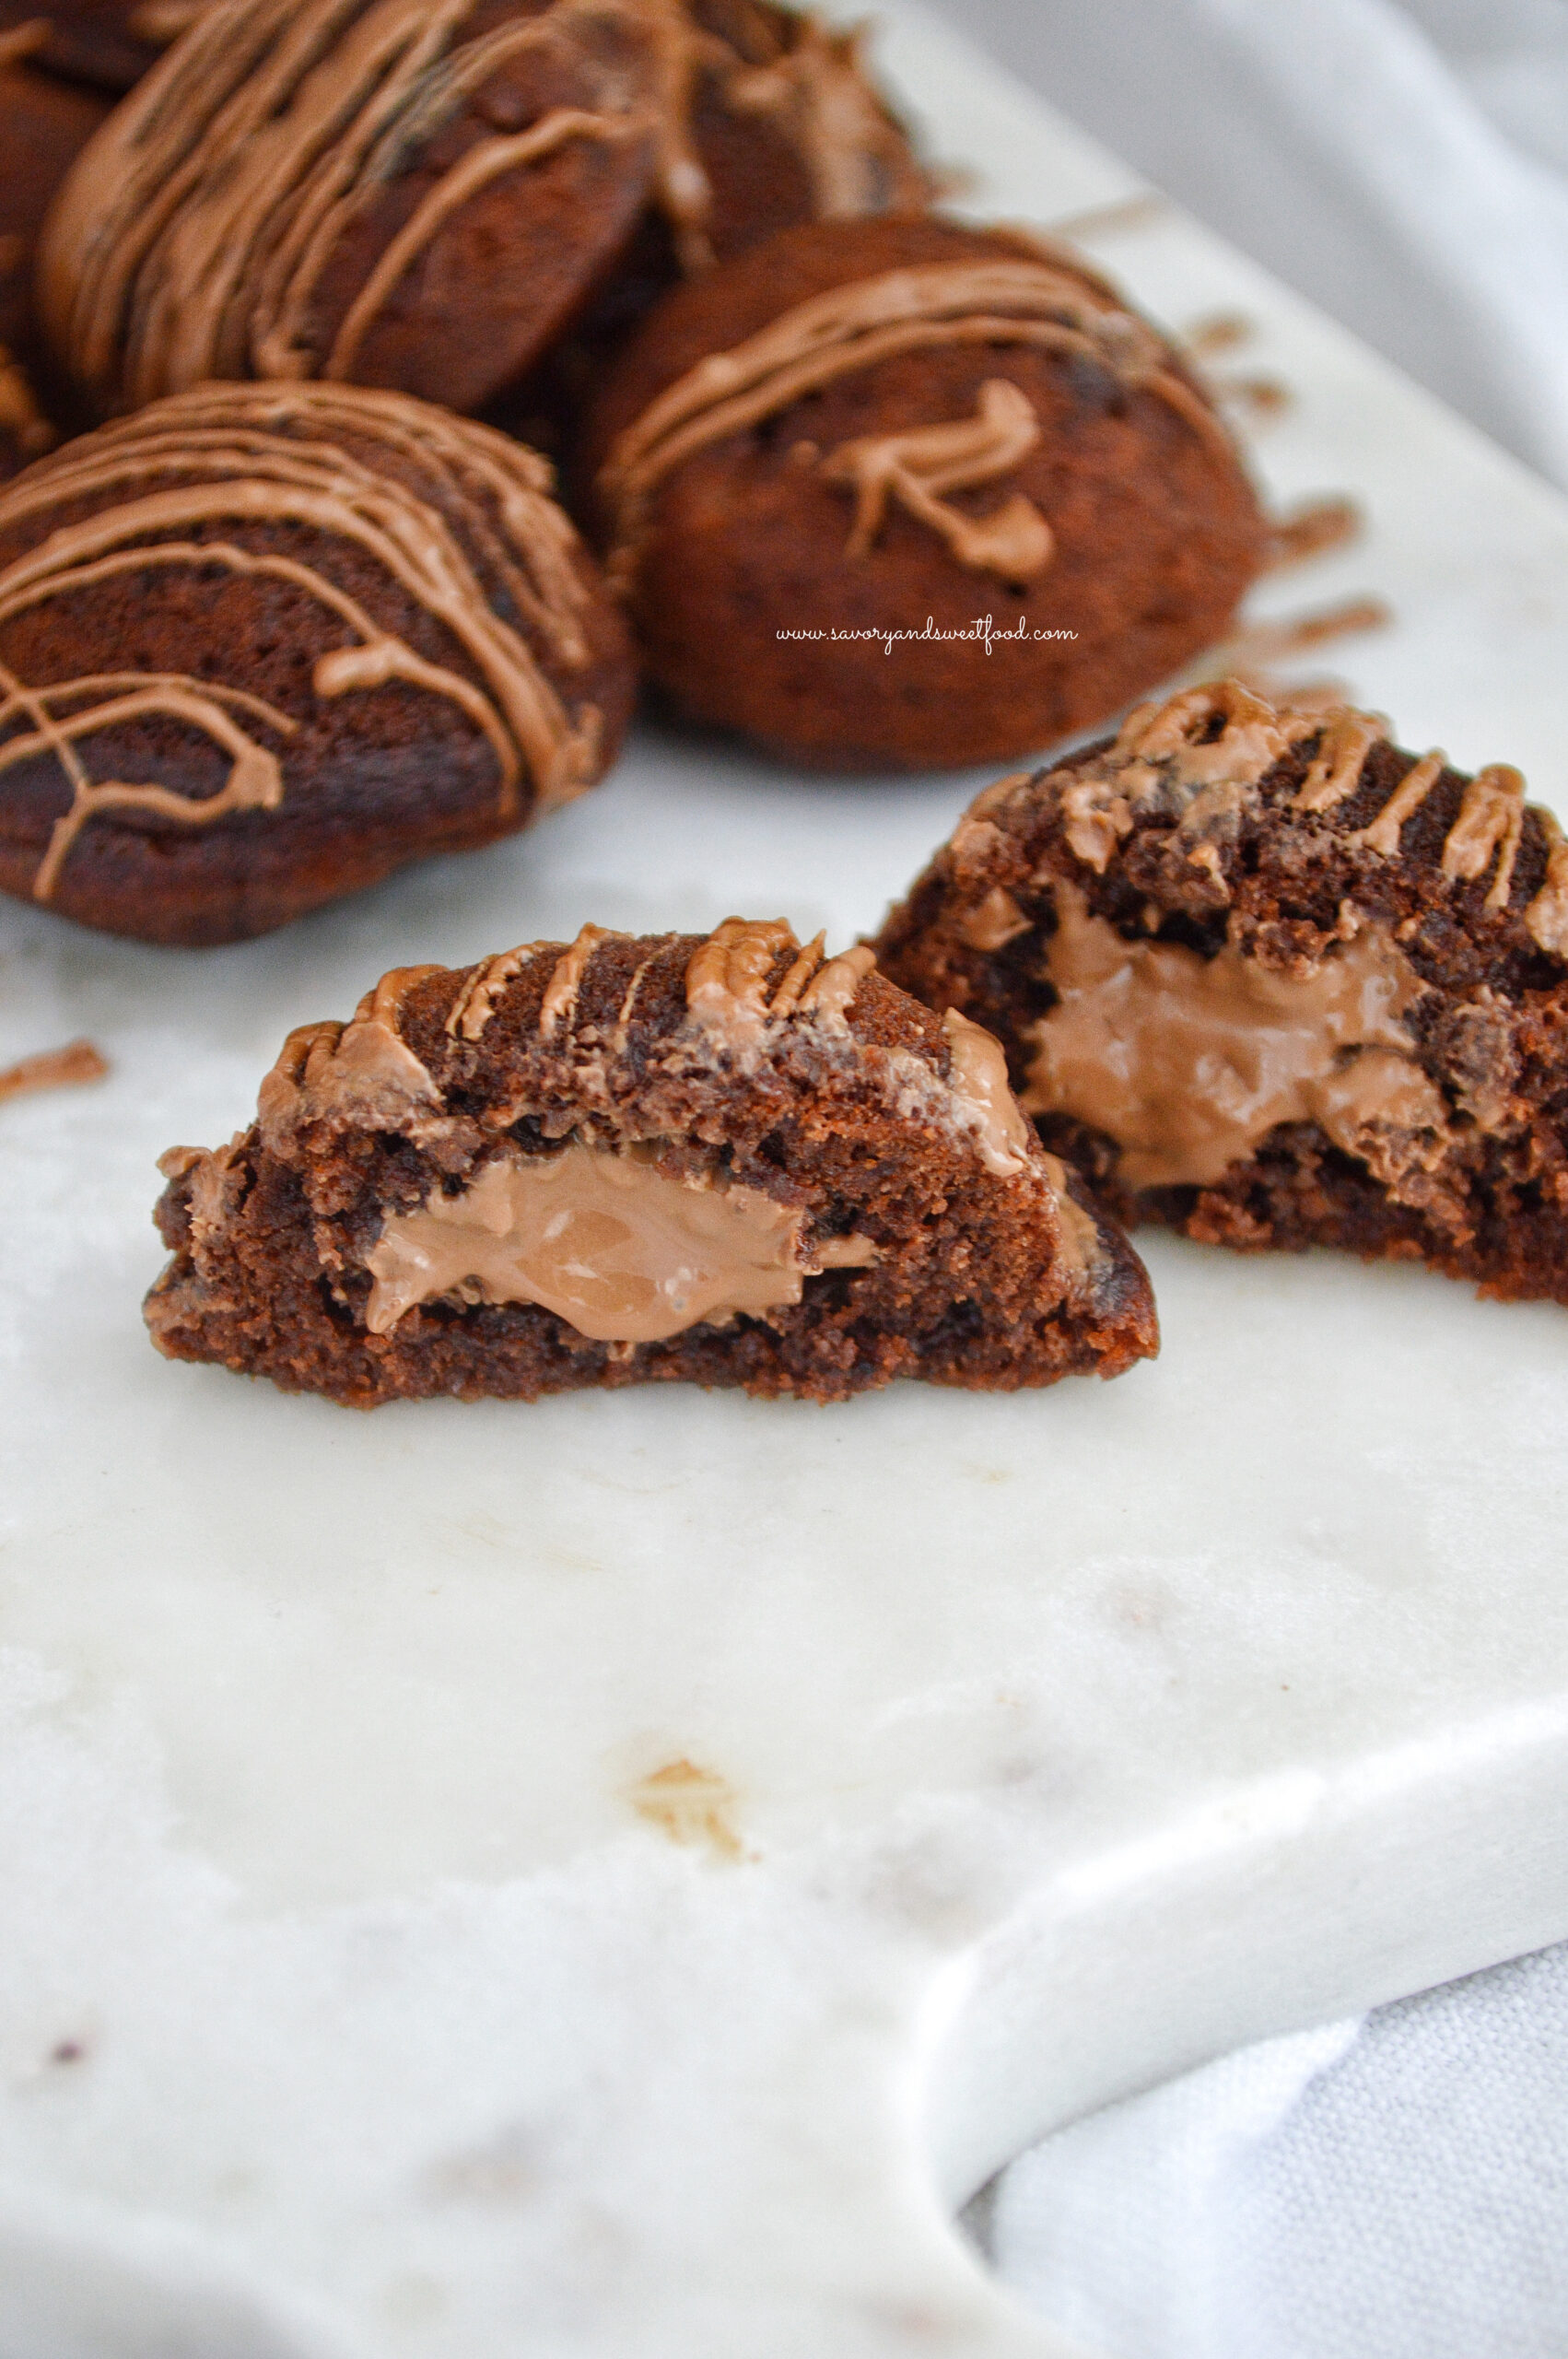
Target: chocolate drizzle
{"x": 161, "y": 21}
{"x": 475, "y": 1004}
{"x": 1313, "y": 529}
{"x": 917, "y": 467}
{"x": 228, "y": 459}
{"x": 195, "y": 235}
{"x": 479, "y": 166}
{"x": 979, "y": 1081}
{"x": 1491, "y": 821}
{"x": 727, "y": 980}
{"x": 1046, "y": 303}
{"x": 1383, "y": 833}
{"x": 1175, "y": 754}
{"x": 830, "y": 992}
{"x": 561, "y": 993}
{"x": 738, "y": 1008}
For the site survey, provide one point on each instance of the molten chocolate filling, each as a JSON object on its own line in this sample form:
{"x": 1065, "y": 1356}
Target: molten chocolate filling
{"x": 1188, "y": 1062}
{"x": 624, "y": 1250}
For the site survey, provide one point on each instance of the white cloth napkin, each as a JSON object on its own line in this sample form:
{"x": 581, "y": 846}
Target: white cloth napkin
{"x": 1407, "y": 167}
{"x": 1391, "y": 2188}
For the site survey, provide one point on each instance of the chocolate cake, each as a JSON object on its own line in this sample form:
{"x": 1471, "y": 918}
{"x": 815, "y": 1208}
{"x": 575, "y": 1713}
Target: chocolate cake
{"x": 898, "y": 493}
{"x": 260, "y": 646}
{"x": 721, "y": 1159}
{"x": 424, "y": 196}
{"x": 1271, "y": 979}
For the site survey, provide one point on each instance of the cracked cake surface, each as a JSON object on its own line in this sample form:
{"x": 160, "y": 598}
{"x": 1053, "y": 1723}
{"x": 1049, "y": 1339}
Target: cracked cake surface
{"x": 1266, "y": 978}
{"x": 728, "y": 1159}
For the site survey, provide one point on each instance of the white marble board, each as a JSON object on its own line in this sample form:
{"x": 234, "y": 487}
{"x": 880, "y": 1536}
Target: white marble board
{"x": 364, "y": 1988}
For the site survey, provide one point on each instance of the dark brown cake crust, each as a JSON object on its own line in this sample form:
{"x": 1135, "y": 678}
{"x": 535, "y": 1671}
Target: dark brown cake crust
{"x": 44, "y": 125}
{"x": 1030, "y": 452}
{"x": 1320, "y": 842}
{"x": 108, "y": 44}
{"x": 25, "y": 432}
{"x": 260, "y": 647}
{"x": 422, "y": 194}
{"x": 819, "y": 1087}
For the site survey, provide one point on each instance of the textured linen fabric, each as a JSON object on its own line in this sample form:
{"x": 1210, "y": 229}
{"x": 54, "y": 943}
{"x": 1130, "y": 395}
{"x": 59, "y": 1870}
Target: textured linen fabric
{"x": 1406, "y": 167}
{"x": 1395, "y": 2187}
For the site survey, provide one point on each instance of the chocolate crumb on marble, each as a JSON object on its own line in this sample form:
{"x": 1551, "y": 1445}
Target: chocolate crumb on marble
{"x": 1265, "y": 977}
{"x": 68, "y": 1068}
{"x": 729, "y": 1160}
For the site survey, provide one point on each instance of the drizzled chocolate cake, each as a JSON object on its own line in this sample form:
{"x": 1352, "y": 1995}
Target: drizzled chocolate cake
{"x": 1265, "y": 977}
{"x": 260, "y": 646}
{"x": 905, "y": 492}
{"x": 424, "y": 195}
{"x": 723, "y": 1159}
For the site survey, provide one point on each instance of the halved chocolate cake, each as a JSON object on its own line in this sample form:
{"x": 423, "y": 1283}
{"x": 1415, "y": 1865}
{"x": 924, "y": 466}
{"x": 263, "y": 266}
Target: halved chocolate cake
{"x": 719, "y": 1158}
{"x": 1267, "y": 979}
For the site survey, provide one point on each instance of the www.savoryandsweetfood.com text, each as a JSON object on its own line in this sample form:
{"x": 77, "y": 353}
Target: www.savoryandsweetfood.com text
{"x": 985, "y": 629}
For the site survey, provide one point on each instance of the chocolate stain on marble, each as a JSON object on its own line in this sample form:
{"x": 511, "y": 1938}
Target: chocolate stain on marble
{"x": 1313, "y": 529}
{"x": 1216, "y": 331}
{"x": 691, "y": 1805}
{"x": 1250, "y": 654}
{"x": 1140, "y": 212}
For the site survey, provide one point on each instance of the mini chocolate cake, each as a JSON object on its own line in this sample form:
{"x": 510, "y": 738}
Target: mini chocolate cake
{"x": 1269, "y": 979}
{"x": 718, "y": 1159}
{"x": 423, "y": 194}
{"x": 899, "y": 493}
{"x": 262, "y": 645}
